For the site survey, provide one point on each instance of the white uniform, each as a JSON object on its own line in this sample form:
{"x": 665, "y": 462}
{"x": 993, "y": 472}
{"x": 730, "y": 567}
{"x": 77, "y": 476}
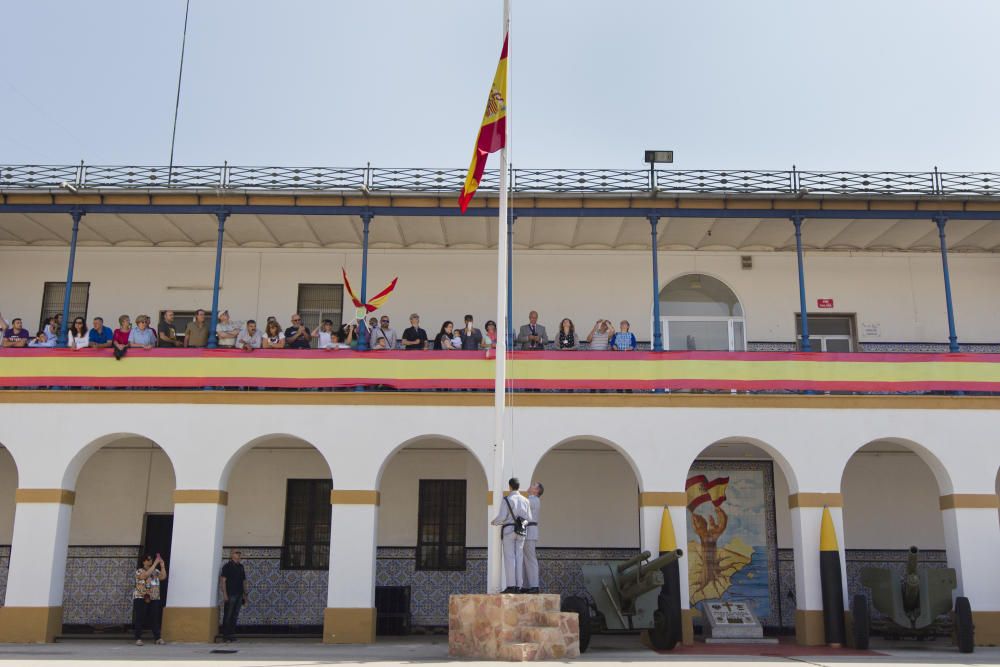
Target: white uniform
{"x": 530, "y": 542}
{"x": 513, "y": 544}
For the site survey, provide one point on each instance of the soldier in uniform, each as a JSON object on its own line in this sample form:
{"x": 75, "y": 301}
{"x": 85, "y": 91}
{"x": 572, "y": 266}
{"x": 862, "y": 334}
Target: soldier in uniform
{"x": 513, "y": 518}
{"x": 535, "y": 492}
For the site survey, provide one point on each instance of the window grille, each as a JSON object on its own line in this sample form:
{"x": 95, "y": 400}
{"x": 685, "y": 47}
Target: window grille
{"x": 306, "y": 545}
{"x": 441, "y": 525}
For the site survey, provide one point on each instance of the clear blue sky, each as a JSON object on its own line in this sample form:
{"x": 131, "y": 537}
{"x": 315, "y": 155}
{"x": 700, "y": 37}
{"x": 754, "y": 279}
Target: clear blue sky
{"x": 851, "y": 84}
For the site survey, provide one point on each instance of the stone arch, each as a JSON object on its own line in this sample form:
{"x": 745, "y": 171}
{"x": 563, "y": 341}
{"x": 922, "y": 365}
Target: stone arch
{"x": 8, "y": 491}
{"x": 714, "y": 276}
{"x": 600, "y": 440}
{"x": 83, "y": 455}
{"x": 930, "y": 459}
{"x": 387, "y": 460}
{"x": 783, "y": 464}
{"x": 236, "y": 456}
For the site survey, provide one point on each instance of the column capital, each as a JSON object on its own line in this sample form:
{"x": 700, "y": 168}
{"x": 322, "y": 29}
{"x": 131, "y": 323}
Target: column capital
{"x": 354, "y": 497}
{"x": 56, "y": 496}
{"x": 662, "y": 498}
{"x": 805, "y": 499}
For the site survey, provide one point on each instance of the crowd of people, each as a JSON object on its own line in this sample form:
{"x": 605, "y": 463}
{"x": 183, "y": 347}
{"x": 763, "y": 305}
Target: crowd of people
{"x": 248, "y": 336}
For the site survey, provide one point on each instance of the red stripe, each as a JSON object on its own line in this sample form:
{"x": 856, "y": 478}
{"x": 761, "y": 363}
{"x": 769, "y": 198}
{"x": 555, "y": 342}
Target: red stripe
{"x": 697, "y": 479}
{"x": 699, "y": 501}
{"x": 492, "y": 137}
{"x": 716, "y": 482}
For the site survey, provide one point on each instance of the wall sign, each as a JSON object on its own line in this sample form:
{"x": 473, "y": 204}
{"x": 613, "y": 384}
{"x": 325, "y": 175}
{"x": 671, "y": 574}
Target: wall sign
{"x": 824, "y": 303}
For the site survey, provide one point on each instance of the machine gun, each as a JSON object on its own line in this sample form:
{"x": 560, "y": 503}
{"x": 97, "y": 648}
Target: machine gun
{"x": 912, "y": 604}
{"x": 626, "y": 597}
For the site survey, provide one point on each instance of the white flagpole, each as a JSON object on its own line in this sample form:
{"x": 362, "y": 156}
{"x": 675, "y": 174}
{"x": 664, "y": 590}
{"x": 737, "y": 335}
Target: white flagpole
{"x": 493, "y": 556}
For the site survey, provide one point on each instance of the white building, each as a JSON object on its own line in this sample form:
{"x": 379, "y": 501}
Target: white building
{"x": 91, "y": 478}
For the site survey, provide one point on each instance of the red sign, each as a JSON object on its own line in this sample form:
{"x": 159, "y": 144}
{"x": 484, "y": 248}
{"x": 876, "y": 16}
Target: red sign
{"x": 824, "y": 303}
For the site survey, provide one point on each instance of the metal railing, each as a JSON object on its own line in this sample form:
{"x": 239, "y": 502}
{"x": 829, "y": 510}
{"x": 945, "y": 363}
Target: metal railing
{"x": 227, "y": 177}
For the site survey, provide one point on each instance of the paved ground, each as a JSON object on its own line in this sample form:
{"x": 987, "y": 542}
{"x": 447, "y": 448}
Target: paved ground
{"x": 431, "y": 650}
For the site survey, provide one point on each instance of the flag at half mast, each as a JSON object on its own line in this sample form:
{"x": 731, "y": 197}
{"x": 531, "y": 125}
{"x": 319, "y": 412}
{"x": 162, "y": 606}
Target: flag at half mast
{"x": 492, "y": 133}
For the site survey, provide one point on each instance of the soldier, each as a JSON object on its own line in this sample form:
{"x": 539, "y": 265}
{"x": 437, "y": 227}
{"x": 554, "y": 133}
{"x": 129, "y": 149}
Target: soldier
{"x": 513, "y": 517}
{"x": 535, "y": 492}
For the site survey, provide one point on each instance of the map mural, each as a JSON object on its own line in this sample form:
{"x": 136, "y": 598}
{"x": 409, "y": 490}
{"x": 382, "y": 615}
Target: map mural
{"x": 732, "y": 553}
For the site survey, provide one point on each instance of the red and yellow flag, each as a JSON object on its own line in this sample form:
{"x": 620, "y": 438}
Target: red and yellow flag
{"x": 492, "y": 133}
{"x": 376, "y": 301}
{"x": 700, "y": 491}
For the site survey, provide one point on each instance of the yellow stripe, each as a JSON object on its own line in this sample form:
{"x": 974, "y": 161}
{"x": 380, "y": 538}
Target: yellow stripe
{"x": 57, "y": 496}
{"x": 815, "y": 500}
{"x": 827, "y": 533}
{"x": 354, "y": 497}
{"x": 969, "y": 501}
{"x": 662, "y": 498}
{"x": 201, "y": 497}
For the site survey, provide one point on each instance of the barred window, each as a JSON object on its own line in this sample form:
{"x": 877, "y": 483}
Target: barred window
{"x": 52, "y": 301}
{"x": 307, "y": 525}
{"x": 318, "y": 302}
{"x": 441, "y": 525}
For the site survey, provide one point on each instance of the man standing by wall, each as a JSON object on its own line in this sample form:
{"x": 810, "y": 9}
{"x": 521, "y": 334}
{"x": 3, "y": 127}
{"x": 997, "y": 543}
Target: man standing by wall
{"x": 233, "y": 585}
{"x": 535, "y": 492}
{"x": 513, "y": 518}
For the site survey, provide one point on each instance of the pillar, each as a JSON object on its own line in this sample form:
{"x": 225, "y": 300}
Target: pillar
{"x": 654, "y": 221}
{"x": 349, "y": 617}
{"x": 366, "y": 220}
{"x": 192, "y": 611}
{"x": 33, "y": 607}
{"x": 62, "y": 337}
{"x": 651, "y": 504}
{"x": 797, "y": 221}
{"x": 806, "y": 511}
{"x": 952, "y": 335}
{"x": 212, "y": 338}
{"x": 973, "y": 541}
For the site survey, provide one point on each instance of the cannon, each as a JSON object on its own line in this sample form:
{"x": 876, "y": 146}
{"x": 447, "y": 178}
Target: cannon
{"x": 913, "y": 604}
{"x": 625, "y": 596}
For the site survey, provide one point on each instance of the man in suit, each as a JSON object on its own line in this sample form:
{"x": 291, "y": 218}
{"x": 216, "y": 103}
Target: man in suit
{"x": 532, "y": 335}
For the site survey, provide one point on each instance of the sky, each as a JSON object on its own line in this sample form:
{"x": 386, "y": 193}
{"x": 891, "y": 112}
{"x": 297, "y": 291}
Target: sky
{"x": 848, "y": 84}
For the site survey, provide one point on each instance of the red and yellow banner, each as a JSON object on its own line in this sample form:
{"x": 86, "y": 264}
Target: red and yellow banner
{"x": 701, "y": 490}
{"x": 637, "y": 371}
{"x": 492, "y": 132}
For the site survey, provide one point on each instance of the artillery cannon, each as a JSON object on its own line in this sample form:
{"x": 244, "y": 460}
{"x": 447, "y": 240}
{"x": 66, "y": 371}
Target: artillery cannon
{"x": 912, "y": 604}
{"x": 626, "y": 596}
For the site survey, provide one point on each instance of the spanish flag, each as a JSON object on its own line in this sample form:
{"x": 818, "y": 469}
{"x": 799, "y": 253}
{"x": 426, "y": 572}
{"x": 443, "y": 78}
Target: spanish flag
{"x": 492, "y": 133}
{"x": 700, "y": 490}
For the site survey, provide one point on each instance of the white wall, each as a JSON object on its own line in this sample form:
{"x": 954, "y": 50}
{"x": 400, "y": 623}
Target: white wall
{"x": 8, "y": 486}
{"x": 902, "y": 293}
{"x": 116, "y": 488}
{"x": 891, "y": 502}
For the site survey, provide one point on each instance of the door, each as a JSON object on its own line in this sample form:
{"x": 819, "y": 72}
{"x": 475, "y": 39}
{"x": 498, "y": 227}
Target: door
{"x": 156, "y": 540}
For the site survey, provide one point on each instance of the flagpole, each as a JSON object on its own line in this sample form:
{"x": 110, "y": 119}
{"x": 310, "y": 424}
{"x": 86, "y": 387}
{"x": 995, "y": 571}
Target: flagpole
{"x": 493, "y": 557}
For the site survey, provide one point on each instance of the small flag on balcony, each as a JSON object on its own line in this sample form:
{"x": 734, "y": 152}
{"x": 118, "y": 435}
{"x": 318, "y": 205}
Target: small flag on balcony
{"x": 376, "y": 301}
{"x": 492, "y": 133}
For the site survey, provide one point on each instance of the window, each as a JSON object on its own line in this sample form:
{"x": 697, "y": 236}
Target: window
{"x": 701, "y": 313}
{"x": 307, "y": 525}
{"x": 827, "y": 333}
{"x": 320, "y": 302}
{"x": 52, "y": 301}
{"x": 441, "y": 525}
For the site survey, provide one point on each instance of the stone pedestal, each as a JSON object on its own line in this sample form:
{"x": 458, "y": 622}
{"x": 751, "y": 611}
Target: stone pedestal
{"x": 511, "y": 627}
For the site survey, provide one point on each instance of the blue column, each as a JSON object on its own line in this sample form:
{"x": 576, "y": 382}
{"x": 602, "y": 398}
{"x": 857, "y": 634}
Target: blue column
{"x": 654, "y": 221}
{"x": 212, "y": 339}
{"x": 511, "y": 218}
{"x": 952, "y": 336}
{"x": 797, "y": 221}
{"x": 366, "y": 220}
{"x": 77, "y": 215}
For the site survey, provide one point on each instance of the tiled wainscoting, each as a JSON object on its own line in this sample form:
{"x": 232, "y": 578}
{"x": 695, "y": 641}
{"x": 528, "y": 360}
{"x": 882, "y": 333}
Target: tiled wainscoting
{"x": 99, "y": 582}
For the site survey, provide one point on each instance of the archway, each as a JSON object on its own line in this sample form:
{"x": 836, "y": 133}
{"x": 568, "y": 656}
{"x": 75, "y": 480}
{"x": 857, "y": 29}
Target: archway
{"x": 432, "y": 531}
{"x": 739, "y": 531}
{"x": 8, "y": 490}
{"x": 700, "y": 312}
{"x": 123, "y": 508}
{"x": 891, "y": 490}
{"x": 278, "y": 515}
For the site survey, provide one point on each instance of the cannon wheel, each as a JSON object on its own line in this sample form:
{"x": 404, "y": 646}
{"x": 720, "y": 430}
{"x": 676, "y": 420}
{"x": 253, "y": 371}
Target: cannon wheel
{"x": 862, "y": 622}
{"x": 577, "y": 605}
{"x": 665, "y": 634}
{"x": 964, "y": 629}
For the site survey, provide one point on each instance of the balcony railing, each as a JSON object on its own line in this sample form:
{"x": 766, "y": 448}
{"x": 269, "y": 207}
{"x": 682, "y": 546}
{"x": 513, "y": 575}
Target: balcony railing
{"x": 547, "y": 371}
{"x": 369, "y": 179}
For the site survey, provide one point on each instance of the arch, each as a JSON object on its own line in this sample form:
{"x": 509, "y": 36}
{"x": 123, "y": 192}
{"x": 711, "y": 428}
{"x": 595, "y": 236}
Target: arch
{"x": 601, "y": 440}
{"x": 699, "y": 305}
{"x": 937, "y": 468}
{"x": 783, "y": 463}
{"x": 75, "y": 465}
{"x": 259, "y": 440}
{"x": 429, "y": 436}
{"x": 8, "y": 489}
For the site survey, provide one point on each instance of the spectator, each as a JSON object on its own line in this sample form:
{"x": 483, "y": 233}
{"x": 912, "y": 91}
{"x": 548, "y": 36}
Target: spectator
{"x": 141, "y": 335}
{"x": 52, "y": 326}
{"x": 16, "y": 335}
{"x": 43, "y": 339}
{"x": 600, "y": 335}
{"x": 624, "y": 340}
{"x": 566, "y": 339}
{"x": 166, "y": 332}
{"x": 490, "y": 335}
{"x": 472, "y": 338}
{"x": 532, "y": 335}
{"x": 79, "y": 337}
{"x": 121, "y": 337}
{"x": 443, "y": 340}
{"x": 372, "y": 324}
{"x": 146, "y": 595}
{"x": 349, "y": 334}
{"x": 328, "y": 338}
{"x": 233, "y": 584}
{"x": 297, "y": 336}
{"x": 274, "y": 338}
{"x": 383, "y": 337}
{"x": 196, "y": 333}
{"x": 249, "y": 339}
{"x": 3, "y": 324}
{"x": 100, "y": 335}
{"x": 414, "y": 338}
{"x": 226, "y": 330}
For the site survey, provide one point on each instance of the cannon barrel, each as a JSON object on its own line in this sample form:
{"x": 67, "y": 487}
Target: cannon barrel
{"x": 911, "y": 561}
{"x": 649, "y": 578}
{"x": 910, "y": 583}
{"x": 632, "y": 562}
{"x": 664, "y": 560}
